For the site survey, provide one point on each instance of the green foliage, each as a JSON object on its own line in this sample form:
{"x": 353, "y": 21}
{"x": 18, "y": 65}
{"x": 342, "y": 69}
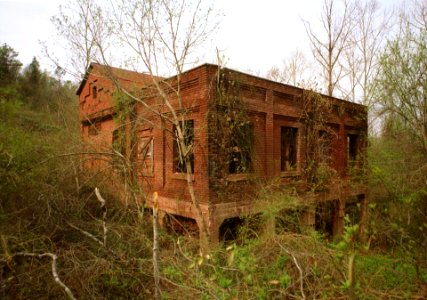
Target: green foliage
{"x": 19, "y": 151}
{"x": 33, "y": 84}
{"x": 9, "y": 66}
{"x": 316, "y": 110}
{"x": 398, "y": 158}
{"x": 173, "y": 273}
{"x": 123, "y": 106}
{"x": 398, "y": 197}
{"x": 385, "y": 272}
{"x": 402, "y": 83}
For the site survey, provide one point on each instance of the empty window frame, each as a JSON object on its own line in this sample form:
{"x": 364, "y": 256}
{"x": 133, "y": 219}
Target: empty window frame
{"x": 288, "y": 148}
{"x": 94, "y": 92}
{"x": 352, "y": 148}
{"x": 240, "y": 145}
{"x": 179, "y": 157}
{"x": 145, "y": 155}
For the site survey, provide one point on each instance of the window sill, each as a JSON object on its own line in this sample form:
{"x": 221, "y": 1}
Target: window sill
{"x": 237, "y": 177}
{"x": 182, "y": 176}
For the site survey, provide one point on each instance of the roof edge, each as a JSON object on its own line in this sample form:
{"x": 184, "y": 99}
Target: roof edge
{"x": 210, "y": 65}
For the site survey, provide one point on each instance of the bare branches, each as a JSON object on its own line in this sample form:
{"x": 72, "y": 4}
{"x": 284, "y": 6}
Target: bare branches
{"x": 301, "y": 274}
{"x": 54, "y": 269}
{"x": 88, "y": 234}
{"x": 84, "y": 28}
{"x": 162, "y": 34}
{"x": 362, "y": 57}
{"x": 160, "y": 37}
{"x": 103, "y": 243}
{"x": 327, "y": 50}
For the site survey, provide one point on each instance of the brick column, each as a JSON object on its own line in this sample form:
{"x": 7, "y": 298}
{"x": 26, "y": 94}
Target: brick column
{"x": 269, "y": 135}
{"x": 342, "y": 150}
{"x": 213, "y": 231}
{"x": 338, "y": 216}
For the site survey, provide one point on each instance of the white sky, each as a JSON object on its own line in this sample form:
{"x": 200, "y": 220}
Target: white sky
{"x": 253, "y": 35}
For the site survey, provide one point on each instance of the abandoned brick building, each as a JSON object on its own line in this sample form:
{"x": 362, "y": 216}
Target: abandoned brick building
{"x": 245, "y": 131}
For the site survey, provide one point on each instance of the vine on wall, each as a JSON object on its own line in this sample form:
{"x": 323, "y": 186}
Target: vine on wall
{"x": 231, "y": 136}
{"x": 316, "y": 110}
{"x": 124, "y": 146}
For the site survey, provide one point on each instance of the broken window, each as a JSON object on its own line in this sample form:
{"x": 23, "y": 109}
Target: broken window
{"x": 240, "y": 159}
{"x": 145, "y": 155}
{"x": 353, "y": 210}
{"x": 179, "y": 157}
{"x": 352, "y": 148}
{"x": 288, "y": 148}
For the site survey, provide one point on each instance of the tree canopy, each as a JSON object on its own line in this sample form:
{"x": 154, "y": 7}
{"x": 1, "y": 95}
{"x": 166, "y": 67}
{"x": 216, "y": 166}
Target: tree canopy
{"x": 402, "y": 83}
{"x": 9, "y": 65}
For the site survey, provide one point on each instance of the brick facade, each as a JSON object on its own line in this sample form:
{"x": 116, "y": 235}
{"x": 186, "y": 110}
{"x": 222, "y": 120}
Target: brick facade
{"x": 275, "y": 118}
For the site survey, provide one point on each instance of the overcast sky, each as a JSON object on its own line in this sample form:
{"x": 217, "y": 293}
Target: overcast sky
{"x": 253, "y": 35}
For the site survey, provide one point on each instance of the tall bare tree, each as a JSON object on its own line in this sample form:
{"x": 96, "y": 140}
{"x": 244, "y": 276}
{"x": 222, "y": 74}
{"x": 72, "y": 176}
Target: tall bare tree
{"x": 83, "y": 26}
{"x": 162, "y": 36}
{"x": 362, "y": 57}
{"x": 159, "y": 38}
{"x": 329, "y": 44}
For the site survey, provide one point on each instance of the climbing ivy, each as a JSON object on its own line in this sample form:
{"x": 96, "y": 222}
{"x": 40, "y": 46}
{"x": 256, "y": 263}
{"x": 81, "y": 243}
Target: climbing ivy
{"x": 316, "y": 111}
{"x": 233, "y": 136}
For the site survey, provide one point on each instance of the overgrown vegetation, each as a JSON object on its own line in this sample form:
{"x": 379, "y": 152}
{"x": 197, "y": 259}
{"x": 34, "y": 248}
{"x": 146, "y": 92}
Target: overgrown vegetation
{"x": 50, "y": 214}
{"x": 316, "y": 110}
{"x": 232, "y": 132}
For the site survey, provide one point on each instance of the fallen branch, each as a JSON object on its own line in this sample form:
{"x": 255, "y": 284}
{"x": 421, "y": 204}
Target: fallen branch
{"x": 104, "y": 215}
{"x": 301, "y": 274}
{"x": 88, "y": 234}
{"x": 54, "y": 269}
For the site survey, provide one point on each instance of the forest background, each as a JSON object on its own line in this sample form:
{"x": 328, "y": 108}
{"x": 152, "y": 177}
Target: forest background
{"x": 52, "y": 226}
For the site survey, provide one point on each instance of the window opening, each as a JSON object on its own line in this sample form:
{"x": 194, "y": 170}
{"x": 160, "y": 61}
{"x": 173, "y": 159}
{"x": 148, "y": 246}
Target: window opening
{"x": 240, "y": 158}
{"x": 353, "y": 211}
{"x": 187, "y": 128}
{"x": 145, "y": 154}
{"x": 94, "y": 92}
{"x": 288, "y": 145}
{"x": 352, "y": 148}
